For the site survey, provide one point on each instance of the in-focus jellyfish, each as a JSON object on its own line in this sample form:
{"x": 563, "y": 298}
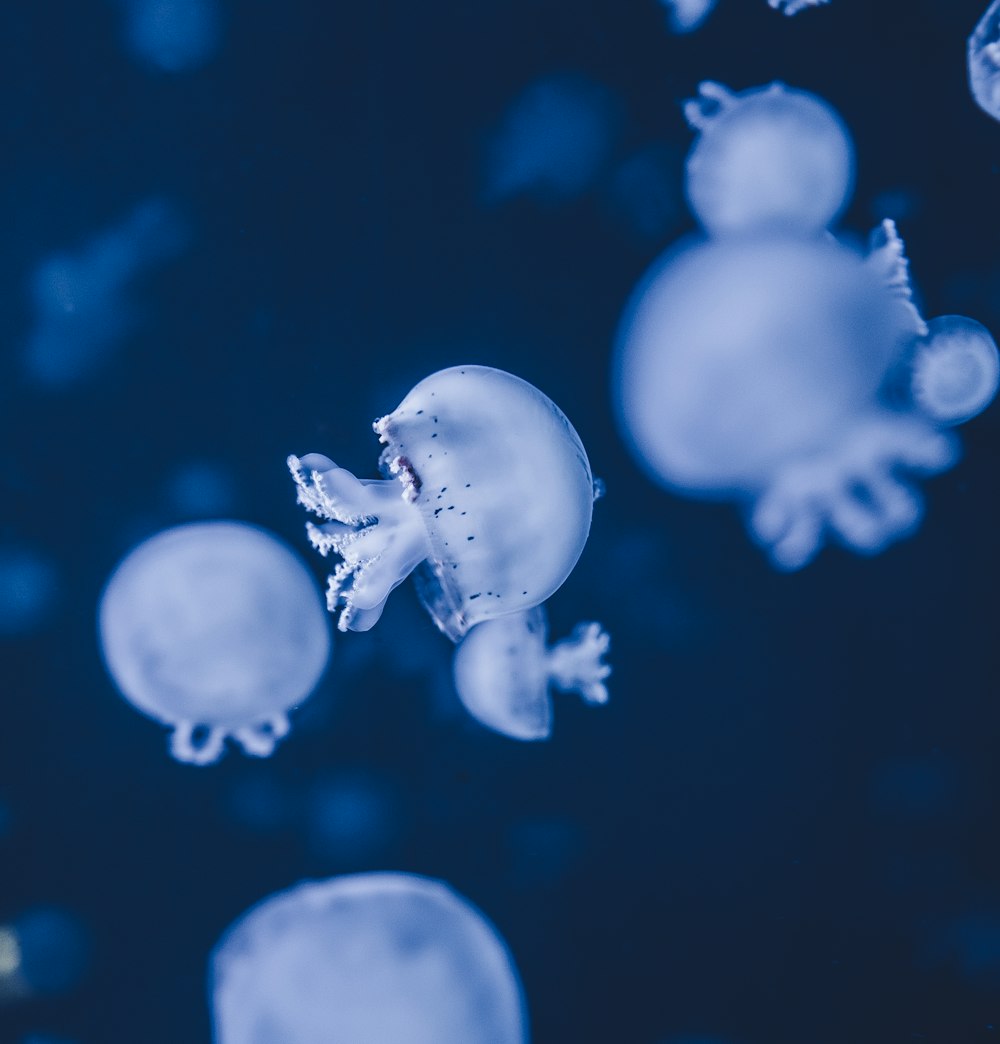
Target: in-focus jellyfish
{"x": 505, "y": 672}
{"x": 81, "y": 301}
{"x": 984, "y": 61}
{"x": 554, "y": 141}
{"x": 382, "y": 957}
{"x": 756, "y": 364}
{"x": 488, "y": 494}
{"x": 216, "y": 629}
{"x": 173, "y": 35}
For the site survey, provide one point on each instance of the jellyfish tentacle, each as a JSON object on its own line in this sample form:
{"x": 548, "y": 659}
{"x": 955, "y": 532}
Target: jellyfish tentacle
{"x": 184, "y": 747}
{"x": 372, "y": 525}
{"x": 793, "y": 7}
{"x": 259, "y": 740}
{"x": 887, "y": 259}
{"x": 712, "y": 100}
{"x": 575, "y": 663}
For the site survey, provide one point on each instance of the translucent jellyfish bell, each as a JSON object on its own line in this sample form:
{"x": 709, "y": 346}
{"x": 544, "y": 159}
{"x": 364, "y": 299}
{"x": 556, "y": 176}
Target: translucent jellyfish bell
{"x": 217, "y": 629}
{"x": 767, "y": 159}
{"x": 955, "y": 370}
{"x": 984, "y": 61}
{"x": 488, "y": 491}
{"x": 380, "y": 957}
{"x": 505, "y": 672}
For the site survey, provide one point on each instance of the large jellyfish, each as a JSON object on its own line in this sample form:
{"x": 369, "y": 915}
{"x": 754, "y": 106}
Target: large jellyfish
{"x": 984, "y": 61}
{"x": 488, "y": 491}
{"x": 505, "y": 671}
{"x": 381, "y": 957}
{"x": 761, "y": 363}
{"x": 216, "y": 629}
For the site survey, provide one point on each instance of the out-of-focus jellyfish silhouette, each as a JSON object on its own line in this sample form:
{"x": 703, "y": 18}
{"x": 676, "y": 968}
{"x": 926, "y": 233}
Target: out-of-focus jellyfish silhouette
{"x": 369, "y": 957}
{"x": 28, "y": 590}
{"x": 81, "y": 301}
{"x": 505, "y": 671}
{"x": 351, "y": 817}
{"x": 554, "y": 141}
{"x": 757, "y": 364}
{"x": 216, "y": 629}
{"x": 201, "y": 489}
{"x": 173, "y": 36}
{"x": 643, "y": 191}
{"x": 487, "y": 493}
{"x": 43, "y": 952}
{"x": 984, "y": 61}
{"x": 687, "y": 15}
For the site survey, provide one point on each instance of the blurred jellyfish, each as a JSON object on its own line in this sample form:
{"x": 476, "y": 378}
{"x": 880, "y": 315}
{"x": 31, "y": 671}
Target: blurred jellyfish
{"x": 793, "y": 7}
{"x": 555, "y": 140}
{"x": 505, "y": 671}
{"x": 351, "y": 817}
{"x": 28, "y": 590}
{"x": 984, "y": 61}
{"x": 43, "y": 952}
{"x": 687, "y": 15}
{"x": 644, "y": 192}
{"x": 488, "y": 493}
{"x": 216, "y": 629}
{"x": 755, "y": 364}
{"x": 369, "y": 957}
{"x": 201, "y": 489}
{"x": 173, "y": 35}
{"x": 81, "y": 301}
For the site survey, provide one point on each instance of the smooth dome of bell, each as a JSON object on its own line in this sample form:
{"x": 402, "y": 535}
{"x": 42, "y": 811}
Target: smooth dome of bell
{"x": 217, "y": 629}
{"x": 767, "y": 159}
{"x": 955, "y": 371}
{"x": 378, "y": 957}
{"x": 505, "y": 672}
{"x": 489, "y": 496}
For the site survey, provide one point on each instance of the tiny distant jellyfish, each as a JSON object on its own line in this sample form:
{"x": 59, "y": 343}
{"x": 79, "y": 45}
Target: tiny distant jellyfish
{"x": 81, "y": 301}
{"x": 984, "y": 61}
{"x": 29, "y": 586}
{"x": 366, "y": 957}
{"x": 487, "y": 495}
{"x": 218, "y": 630}
{"x": 173, "y": 36}
{"x": 755, "y": 364}
{"x": 554, "y": 141}
{"x": 505, "y": 672}
{"x": 45, "y": 951}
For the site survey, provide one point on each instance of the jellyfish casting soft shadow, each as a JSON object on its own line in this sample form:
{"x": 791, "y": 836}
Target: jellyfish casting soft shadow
{"x": 385, "y": 957}
{"x": 756, "y": 363}
{"x": 984, "y": 61}
{"x": 216, "y": 629}
{"x": 505, "y": 672}
{"x": 487, "y": 493}
{"x": 687, "y": 15}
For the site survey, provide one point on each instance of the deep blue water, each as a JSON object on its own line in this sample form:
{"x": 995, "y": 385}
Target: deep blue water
{"x": 782, "y": 828}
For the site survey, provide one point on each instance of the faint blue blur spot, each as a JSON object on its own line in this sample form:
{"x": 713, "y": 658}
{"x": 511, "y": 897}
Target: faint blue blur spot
{"x": 28, "y": 589}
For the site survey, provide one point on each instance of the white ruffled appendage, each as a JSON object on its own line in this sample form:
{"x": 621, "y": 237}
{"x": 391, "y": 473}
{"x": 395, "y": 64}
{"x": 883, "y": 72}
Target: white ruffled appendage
{"x": 575, "y": 664}
{"x": 793, "y": 7}
{"x": 371, "y": 525}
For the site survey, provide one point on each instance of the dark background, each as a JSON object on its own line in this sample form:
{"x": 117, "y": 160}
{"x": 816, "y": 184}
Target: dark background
{"x": 782, "y": 828}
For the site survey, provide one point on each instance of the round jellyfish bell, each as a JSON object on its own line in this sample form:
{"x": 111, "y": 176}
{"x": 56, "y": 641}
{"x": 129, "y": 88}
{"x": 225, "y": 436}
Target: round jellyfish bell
{"x": 217, "y": 629}
{"x": 487, "y": 493}
{"x": 366, "y": 957}
{"x": 955, "y": 370}
{"x": 767, "y": 159}
{"x": 504, "y": 672}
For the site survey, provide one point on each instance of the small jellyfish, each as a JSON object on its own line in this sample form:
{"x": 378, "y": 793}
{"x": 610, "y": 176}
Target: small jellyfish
{"x": 44, "y": 951}
{"x": 955, "y": 370}
{"x": 984, "y": 61}
{"x": 505, "y": 671}
{"x": 687, "y": 15}
{"x": 173, "y": 35}
{"x": 767, "y": 159}
{"x": 374, "y": 957}
{"x": 755, "y": 364}
{"x": 216, "y": 629}
{"x": 487, "y": 493}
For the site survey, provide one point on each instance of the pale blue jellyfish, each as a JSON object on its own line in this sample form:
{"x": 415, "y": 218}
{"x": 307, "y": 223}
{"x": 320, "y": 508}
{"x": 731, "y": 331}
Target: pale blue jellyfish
{"x": 984, "y": 61}
{"x": 173, "y": 35}
{"x": 487, "y": 494}
{"x": 554, "y": 141}
{"x": 379, "y": 958}
{"x": 505, "y": 672}
{"x": 217, "y": 630}
{"x": 754, "y": 364}
{"x": 82, "y": 303}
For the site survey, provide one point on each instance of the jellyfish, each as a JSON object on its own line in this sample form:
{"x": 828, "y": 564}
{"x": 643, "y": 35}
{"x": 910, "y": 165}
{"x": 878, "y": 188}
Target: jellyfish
{"x": 216, "y": 629}
{"x": 44, "y": 951}
{"x": 688, "y": 15}
{"x": 793, "y": 7}
{"x": 81, "y": 300}
{"x": 366, "y": 957}
{"x": 984, "y": 61}
{"x": 487, "y": 494}
{"x": 755, "y": 364}
{"x": 173, "y": 35}
{"x": 505, "y": 671}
